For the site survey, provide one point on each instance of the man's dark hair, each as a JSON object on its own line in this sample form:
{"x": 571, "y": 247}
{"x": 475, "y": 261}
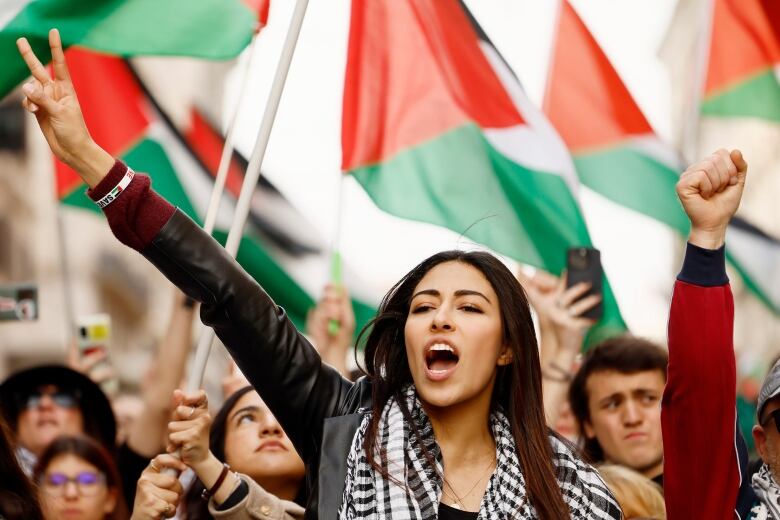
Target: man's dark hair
{"x": 624, "y": 354}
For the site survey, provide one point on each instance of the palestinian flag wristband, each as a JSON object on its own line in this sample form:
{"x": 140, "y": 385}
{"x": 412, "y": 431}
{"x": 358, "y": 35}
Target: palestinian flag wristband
{"x": 118, "y": 189}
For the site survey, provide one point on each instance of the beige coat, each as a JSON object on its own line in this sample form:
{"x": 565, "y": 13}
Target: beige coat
{"x": 258, "y": 505}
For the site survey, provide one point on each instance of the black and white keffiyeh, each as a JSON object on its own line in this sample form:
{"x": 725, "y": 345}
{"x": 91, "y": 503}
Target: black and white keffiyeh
{"x": 414, "y": 489}
{"x": 768, "y": 493}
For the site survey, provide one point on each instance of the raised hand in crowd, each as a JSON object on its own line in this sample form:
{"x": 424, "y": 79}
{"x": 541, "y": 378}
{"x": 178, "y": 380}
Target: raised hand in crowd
{"x": 55, "y": 105}
{"x": 158, "y": 493}
{"x": 562, "y": 330}
{"x": 704, "y": 457}
{"x": 333, "y": 344}
{"x": 710, "y": 191}
{"x": 95, "y": 365}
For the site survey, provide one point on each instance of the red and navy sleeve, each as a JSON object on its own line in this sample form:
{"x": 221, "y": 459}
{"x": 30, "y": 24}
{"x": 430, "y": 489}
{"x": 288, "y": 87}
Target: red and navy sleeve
{"x": 705, "y": 457}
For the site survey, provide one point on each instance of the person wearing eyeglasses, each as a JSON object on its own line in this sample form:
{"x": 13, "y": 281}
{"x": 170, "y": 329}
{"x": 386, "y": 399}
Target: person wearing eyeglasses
{"x": 78, "y": 480}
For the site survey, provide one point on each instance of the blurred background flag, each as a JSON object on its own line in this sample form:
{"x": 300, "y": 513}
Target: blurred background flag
{"x": 436, "y": 128}
{"x": 743, "y": 72}
{"x": 724, "y": 59}
{"x": 616, "y": 152}
{"x": 214, "y": 29}
{"x": 279, "y": 250}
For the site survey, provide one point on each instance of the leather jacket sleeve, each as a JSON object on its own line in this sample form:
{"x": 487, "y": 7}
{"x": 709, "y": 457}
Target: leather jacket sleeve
{"x": 280, "y": 363}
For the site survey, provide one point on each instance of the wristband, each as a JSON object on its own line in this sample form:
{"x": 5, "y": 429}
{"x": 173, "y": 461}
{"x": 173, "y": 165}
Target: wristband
{"x": 208, "y": 493}
{"x": 118, "y": 189}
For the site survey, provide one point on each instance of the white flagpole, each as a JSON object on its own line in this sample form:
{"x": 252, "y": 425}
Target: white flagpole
{"x": 67, "y": 286}
{"x": 207, "y": 338}
{"x": 227, "y": 149}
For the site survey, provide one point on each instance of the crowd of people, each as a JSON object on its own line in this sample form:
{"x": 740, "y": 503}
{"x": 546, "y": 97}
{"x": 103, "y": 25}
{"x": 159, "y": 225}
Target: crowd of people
{"x": 457, "y": 411}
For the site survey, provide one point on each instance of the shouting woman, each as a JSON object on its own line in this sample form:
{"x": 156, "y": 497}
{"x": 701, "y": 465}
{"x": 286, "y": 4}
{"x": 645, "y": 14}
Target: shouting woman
{"x": 449, "y": 421}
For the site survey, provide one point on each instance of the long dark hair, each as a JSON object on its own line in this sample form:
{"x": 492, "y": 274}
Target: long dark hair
{"x": 518, "y": 388}
{"x": 18, "y": 496}
{"x": 92, "y": 452}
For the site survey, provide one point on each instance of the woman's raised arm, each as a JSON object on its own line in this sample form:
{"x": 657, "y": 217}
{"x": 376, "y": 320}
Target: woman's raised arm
{"x": 283, "y": 367}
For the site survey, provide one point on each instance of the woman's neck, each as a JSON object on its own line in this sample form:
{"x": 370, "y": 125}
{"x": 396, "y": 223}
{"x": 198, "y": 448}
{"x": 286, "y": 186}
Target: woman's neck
{"x": 463, "y": 431}
{"x": 281, "y": 487}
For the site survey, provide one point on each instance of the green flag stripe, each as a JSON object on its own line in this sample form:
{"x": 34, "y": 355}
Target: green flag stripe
{"x": 274, "y": 280}
{"x": 459, "y": 181}
{"x": 634, "y": 180}
{"x": 213, "y": 29}
{"x": 757, "y": 97}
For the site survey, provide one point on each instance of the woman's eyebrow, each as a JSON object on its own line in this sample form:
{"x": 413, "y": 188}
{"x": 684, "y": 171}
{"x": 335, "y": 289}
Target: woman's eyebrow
{"x": 469, "y": 292}
{"x": 429, "y": 292}
{"x": 245, "y": 409}
{"x": 459, "y": 292}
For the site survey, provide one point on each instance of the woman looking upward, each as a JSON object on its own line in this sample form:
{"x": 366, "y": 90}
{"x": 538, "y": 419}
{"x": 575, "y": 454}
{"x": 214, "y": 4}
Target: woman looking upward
{"x": 449, "y": 421}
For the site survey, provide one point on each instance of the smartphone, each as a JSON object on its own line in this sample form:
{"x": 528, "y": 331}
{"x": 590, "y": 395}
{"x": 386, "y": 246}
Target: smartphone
{"x": 18, "y": 302}
{"x": 583, "y": 264}
{"x": 94, "y": 335}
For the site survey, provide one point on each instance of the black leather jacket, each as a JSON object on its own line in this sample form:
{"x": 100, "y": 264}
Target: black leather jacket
{"x": 316, "y": 406}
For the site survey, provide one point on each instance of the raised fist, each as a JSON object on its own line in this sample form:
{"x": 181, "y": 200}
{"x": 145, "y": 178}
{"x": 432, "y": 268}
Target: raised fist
{"x": 710, "y": 192}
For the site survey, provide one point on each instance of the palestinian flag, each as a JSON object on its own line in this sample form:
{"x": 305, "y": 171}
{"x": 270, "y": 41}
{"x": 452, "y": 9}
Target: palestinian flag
{"x": 213, "y": 29}
{"x": 616, "y": 152}
{"x": 628, "y": 173}
{"x": 279, "y": 249}
{"x": 724, "y": 55}
{"x": 743, "y": 70}
{"x": 436, "y": 129}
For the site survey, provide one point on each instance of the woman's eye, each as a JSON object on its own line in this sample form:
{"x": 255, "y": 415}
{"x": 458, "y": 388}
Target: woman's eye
{"x": 246, "y": 419}
{"x": 421, "y": 308}
{"x": 471, "y": 308}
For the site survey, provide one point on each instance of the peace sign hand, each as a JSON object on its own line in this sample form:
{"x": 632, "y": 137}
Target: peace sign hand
{"x": 56, "y": 107}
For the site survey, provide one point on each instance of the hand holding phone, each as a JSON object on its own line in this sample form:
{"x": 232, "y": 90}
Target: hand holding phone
{"x": 94, "y": 338}
{"x": 583, "y": 264}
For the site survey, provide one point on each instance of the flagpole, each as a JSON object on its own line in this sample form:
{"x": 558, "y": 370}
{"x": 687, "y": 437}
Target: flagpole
{"x": 195, "y": 379}
{"x": 335, "y": 251}
{"x": 67, "y": 286}
{"x": 206, "y": 338}
{"x": 228, "y": 148}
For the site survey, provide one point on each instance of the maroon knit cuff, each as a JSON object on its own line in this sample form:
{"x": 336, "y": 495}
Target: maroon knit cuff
{"x": 138, "y": 214}
{"x": 115, "y": 175}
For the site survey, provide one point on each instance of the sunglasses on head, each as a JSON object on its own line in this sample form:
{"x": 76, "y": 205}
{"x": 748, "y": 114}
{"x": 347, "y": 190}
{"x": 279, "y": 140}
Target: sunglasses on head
{"x": 775, "y": 416}
{"x": 61, "y": 398}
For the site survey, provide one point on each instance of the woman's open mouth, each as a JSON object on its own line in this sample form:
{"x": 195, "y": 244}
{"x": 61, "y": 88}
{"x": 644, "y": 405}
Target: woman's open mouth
{"x": 441, "y": 359}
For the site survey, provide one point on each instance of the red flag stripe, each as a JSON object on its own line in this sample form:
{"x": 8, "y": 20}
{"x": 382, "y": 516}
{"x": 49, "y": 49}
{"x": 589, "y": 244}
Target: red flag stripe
{"x": 586, "y": 99}
{"x": 414, "y": 71}
{"x": 207, "y": 144}
{"x": 745, "y": 41}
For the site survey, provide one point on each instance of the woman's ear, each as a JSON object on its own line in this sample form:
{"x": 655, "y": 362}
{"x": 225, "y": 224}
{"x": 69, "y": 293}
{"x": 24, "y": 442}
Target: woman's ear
{"x": 110, "y": 504}
{"x": 505, "y": 357}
